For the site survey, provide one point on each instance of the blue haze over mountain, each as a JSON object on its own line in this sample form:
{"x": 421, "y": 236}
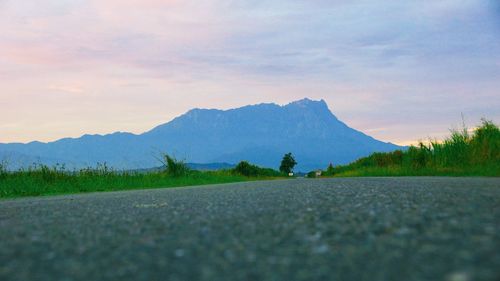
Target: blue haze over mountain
{"x": 259, "y": 133}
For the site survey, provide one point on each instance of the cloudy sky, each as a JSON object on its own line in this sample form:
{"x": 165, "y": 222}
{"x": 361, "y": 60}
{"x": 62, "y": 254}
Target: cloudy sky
{"x": 398, "y": 70}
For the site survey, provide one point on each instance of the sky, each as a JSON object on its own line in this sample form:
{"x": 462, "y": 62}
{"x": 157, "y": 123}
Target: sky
{"x": 400, "y": 71}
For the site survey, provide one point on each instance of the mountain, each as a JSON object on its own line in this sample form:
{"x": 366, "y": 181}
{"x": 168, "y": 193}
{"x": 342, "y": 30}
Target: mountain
{"x": 259, "y": 133}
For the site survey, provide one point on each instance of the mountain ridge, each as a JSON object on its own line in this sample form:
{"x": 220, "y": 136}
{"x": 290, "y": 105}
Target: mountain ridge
{"x": 259, "y": 133}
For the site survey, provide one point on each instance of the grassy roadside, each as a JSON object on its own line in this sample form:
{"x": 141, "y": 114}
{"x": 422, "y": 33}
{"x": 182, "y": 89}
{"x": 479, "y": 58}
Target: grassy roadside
{"x": 45, "y": 180}
{"x": 461, "y": 154}
{"x": 394, "y": 171}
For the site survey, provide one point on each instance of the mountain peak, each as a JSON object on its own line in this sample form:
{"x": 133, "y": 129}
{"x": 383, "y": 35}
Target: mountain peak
{"x": 308, "y": 106}
{"x": 306, "y": 102}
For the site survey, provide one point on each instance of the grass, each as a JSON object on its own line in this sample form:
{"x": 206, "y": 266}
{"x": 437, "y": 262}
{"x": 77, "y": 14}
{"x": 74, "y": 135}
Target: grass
{"x": 394, "y": 171}
{"x": 44, "y": 180}
{"x": 461, "y": 154}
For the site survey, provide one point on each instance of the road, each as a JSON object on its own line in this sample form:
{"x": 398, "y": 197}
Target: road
{"x": 300, "y": 229}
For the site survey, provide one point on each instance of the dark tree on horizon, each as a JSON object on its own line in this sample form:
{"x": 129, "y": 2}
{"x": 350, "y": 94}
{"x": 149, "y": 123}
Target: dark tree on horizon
{"x": 287, "y": 163}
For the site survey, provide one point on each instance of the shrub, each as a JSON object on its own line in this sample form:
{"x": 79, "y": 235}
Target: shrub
{"x": 246, "y": 169}
{"x": 174, "y": 167}
{"x": 311, "y": 174}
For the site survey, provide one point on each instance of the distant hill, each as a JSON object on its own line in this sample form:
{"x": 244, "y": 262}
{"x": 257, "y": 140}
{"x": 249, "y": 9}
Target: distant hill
{"x": 259, "y": 133}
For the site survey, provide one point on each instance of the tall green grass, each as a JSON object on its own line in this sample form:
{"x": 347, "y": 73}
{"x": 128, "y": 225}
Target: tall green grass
{"x": 460, "y": 154}
{"x": 44, "y": 180}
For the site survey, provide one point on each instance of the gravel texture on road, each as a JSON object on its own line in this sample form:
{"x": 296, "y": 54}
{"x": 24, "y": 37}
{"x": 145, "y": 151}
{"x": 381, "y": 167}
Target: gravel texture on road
{"x": 300, "y": 229}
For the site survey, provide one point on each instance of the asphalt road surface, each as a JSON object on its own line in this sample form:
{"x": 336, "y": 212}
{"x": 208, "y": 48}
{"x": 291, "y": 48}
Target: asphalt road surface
{"x": 326, "y": 229}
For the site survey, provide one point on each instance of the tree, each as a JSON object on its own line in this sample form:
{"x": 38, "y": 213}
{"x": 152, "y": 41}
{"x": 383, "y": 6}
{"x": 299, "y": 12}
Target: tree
{"x": 330, "y": 170}
{"x": 287, "y": 163}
